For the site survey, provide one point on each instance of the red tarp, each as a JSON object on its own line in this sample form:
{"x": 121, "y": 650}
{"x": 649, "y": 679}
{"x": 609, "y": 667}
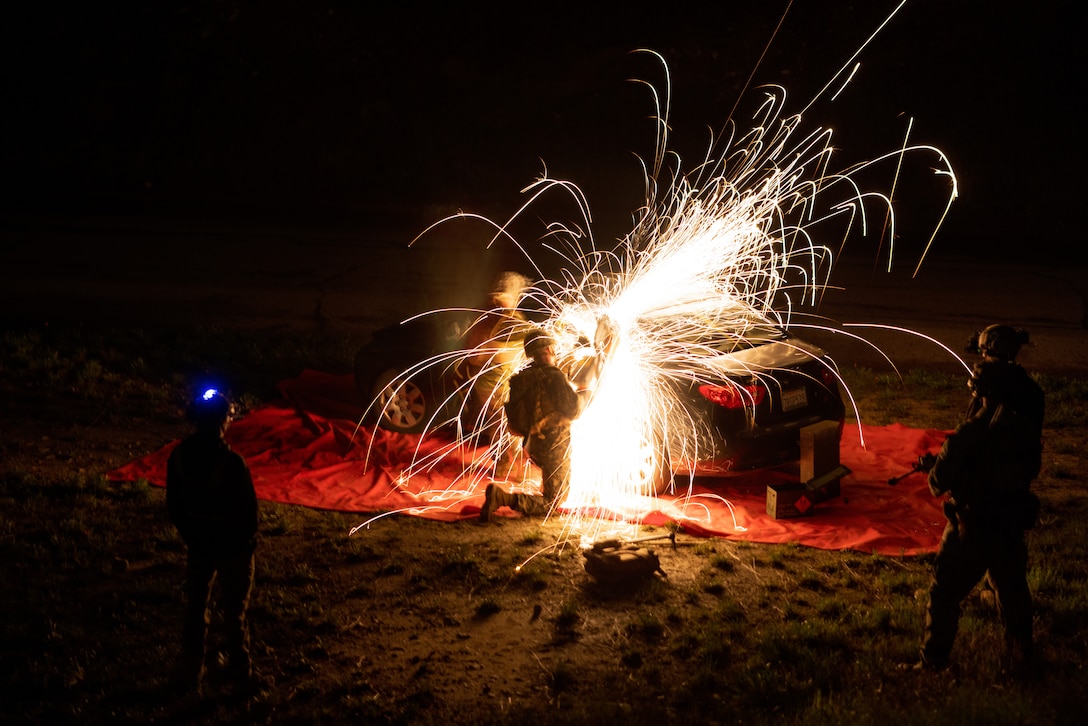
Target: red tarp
{"x": 307, "y": 451}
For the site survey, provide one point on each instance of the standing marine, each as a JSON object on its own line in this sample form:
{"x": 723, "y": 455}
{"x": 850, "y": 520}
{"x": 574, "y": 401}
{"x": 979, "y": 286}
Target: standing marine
{"x": 212, "y": 502}
{"x": 986, "y": 468}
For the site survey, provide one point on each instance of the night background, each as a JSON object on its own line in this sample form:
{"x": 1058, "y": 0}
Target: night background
{"x": 379, "y": 118}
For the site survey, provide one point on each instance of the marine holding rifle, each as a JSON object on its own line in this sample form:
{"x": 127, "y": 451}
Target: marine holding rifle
{"x": 986, "y": 468}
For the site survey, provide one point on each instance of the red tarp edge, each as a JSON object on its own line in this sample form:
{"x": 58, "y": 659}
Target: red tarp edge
{"x": 308, "y": 451}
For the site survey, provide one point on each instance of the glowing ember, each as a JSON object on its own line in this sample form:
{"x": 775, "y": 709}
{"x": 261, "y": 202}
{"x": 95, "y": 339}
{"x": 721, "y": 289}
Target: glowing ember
{"x": 718, "y": 254}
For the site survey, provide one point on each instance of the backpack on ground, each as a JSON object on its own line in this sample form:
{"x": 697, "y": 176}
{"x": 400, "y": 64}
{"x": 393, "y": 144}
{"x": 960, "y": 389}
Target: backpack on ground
{"x": 615, "y": 563}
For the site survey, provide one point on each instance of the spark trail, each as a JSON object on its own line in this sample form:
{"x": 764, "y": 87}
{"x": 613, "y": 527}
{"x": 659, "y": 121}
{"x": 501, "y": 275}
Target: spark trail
{"x": 741, "y": 242}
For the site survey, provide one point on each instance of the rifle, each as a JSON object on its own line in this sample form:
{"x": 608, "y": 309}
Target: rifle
{"x": 924, "y": 464}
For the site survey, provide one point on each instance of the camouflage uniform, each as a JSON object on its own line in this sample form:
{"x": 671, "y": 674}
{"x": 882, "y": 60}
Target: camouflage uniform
{"x": 987, "y": 466}
{"x": 497, "y": 337}
{"x": 211, "y": 501}
{"x": 555, "y": 404}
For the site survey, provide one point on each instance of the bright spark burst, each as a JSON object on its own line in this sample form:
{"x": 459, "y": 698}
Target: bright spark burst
{"x": 719, "y": 253}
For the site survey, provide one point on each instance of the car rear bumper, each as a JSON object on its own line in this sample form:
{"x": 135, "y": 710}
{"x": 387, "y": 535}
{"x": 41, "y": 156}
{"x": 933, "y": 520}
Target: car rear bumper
{"x": 759, "y": 447}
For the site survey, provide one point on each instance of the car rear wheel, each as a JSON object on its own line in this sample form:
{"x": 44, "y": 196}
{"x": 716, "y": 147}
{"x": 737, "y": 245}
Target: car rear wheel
{"x": 401, "y": 405}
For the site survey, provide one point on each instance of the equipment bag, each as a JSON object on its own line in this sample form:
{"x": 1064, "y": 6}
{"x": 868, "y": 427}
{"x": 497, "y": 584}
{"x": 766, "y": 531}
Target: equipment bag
{"x": 614, "y": 562}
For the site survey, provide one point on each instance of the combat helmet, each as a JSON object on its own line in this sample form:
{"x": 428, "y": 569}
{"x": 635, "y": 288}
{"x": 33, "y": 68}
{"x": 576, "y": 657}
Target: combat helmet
{"x": 210, "y": 410}
{"x": 537, "y": 340}
{"x": 1000, "y": 342}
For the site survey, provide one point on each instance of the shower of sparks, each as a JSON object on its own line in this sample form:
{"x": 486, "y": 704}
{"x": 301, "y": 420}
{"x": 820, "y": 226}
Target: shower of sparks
{"x": 719, "y": 256}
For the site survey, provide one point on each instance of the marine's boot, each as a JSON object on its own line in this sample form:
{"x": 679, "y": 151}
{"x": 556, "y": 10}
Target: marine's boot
{"x": 530, "y": 505}
{"x": 495, "y": 497}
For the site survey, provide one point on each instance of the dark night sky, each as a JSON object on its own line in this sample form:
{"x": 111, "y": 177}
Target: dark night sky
{"x": 361, "y": 111}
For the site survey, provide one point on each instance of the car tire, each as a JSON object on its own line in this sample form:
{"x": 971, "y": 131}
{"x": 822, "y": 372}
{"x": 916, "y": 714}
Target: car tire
{"x": 400, "y": 405}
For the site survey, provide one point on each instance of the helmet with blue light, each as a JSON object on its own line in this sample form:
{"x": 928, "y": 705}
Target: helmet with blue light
{"x": 210, "y": 410}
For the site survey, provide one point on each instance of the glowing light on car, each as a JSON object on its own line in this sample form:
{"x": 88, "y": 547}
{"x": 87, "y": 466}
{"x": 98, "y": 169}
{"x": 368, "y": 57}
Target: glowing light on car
{"x": 734, "y": 396}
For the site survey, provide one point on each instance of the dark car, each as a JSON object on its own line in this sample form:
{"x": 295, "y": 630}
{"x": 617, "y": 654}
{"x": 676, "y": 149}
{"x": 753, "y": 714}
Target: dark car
{"x": 753, "y": 392}
{"x": 409, "y": 373}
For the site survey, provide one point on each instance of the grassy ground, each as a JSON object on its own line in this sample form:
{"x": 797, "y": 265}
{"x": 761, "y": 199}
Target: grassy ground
{"x": 421, "y": 622}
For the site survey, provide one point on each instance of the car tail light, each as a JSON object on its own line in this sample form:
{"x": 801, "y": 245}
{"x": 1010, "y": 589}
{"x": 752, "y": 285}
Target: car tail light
{"x": 736, "y": 396}
{"x": 827, "y": 377}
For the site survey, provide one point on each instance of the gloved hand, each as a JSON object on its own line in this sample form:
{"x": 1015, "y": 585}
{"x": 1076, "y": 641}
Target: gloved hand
{"x": 606, "y": 337}
{"x": 926, "y": 461}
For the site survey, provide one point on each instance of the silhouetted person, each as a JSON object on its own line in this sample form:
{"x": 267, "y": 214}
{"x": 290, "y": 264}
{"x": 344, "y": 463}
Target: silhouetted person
{"x": 210, "y": 497}
{"x": 987, "y": 466}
